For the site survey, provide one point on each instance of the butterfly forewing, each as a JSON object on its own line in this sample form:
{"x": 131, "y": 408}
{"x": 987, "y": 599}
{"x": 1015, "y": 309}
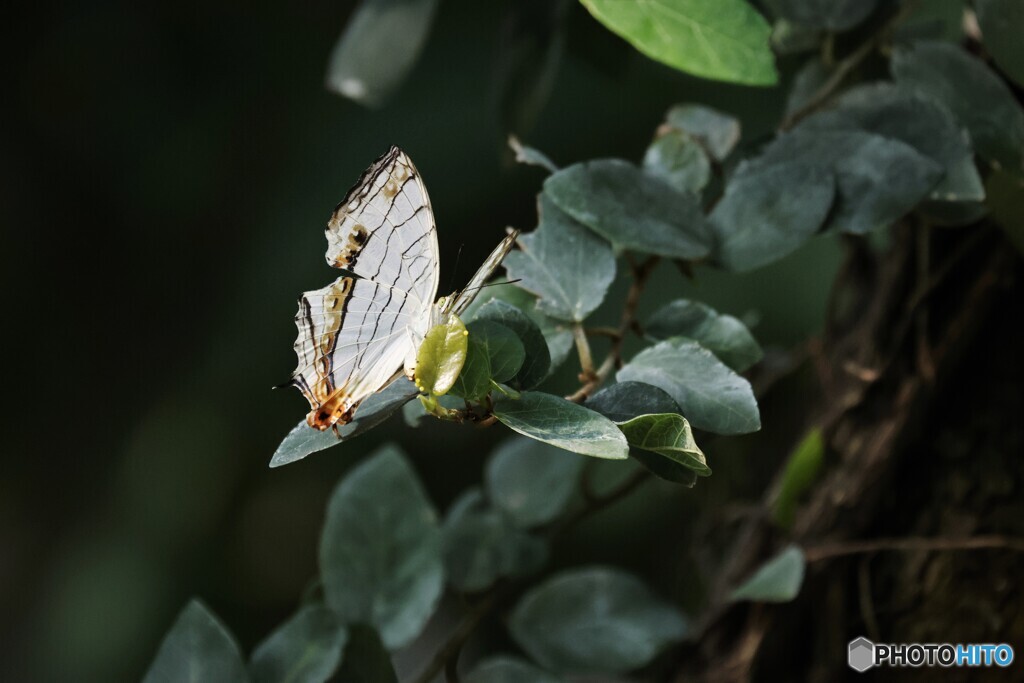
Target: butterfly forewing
{"x": 355, "y": 334}
{"x": 384, "y": 229}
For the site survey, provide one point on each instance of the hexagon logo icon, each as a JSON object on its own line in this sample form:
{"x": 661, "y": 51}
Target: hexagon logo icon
{"x": 861, "y": 654}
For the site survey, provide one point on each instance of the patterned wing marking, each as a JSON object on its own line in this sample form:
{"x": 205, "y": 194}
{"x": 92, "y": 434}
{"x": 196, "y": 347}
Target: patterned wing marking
{"x": 384, "y": 228}
{"x": 353, "y": 337}
{"x": 465, "y": 297}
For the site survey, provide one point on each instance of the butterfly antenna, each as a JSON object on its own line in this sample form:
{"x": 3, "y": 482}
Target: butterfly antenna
{"x": 455, "y": 270}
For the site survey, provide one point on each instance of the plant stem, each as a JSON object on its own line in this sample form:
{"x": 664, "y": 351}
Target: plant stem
{"x": 911, "y": 544}
{"x": 583, "y": 351}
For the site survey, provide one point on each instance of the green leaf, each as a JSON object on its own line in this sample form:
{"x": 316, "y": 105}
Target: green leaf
{"x": 554, "y": 420}
{"x": 538, "y": 358}
{"x": 481, "y": 545}
{"x": 567, "y": 266}
{"x": 808, "y": 80}
{"x": 975, "y": 95}
{"x": 778, "y": 580}
{"x": 505, "y": 669}
{"x": 531, "y": 481}
{"x": 664, "y": 468}
{"x": 557, "y": 334}
{"x": 198, "y": 648}
{"x": 441, "y": 357}
{"x": 801, "y": 471}
{"x": 595, "y": 620}
{"x": 380, "y": 555}
{"x": 790, "y": 39}
{"x": 631, "y": 209}
{"x": 679, "y": 160}
{"x": 831, "y": 15}
{"x": 367, "y": 64}
{"x": 305, "y": 649}
{"x": 365, "y": 659}
{"x": 723, "y": 335}
{"x": 623, "y": 401}
{"x": 769, "y": 211}
{"x": 919, "y": 121}
{"x": 529, "y": 155}
{"x": 495, "y": 353}
{"x": 935, "y": 19}
{"x": 878, "y": 179}
{"x": 712, "y": 396}
{"x": 726, "y": 40}
{"x": 717, "y": 132}
{"x": 668, "y": 435}
{"x": 1002, "y": 24}
{"x": 303, "y": 440}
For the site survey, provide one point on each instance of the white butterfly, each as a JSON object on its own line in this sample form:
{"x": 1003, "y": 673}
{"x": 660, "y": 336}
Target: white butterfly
{"x": 356, "y": 334}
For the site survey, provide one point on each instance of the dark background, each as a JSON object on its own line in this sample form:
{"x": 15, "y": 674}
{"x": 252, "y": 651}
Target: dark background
{"x": 166, "y": 171}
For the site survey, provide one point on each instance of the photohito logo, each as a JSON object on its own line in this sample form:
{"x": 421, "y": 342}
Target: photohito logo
{"x": 862, "y": 654}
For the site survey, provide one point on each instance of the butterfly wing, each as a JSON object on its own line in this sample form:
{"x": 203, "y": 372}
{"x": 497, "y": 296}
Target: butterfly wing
{"x": 355, "y": 334}
{"x": 465, "y": 297}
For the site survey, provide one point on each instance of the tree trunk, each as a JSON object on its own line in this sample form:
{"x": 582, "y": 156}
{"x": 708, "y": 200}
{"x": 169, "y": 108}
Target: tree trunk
{"x": 920, "y": 373}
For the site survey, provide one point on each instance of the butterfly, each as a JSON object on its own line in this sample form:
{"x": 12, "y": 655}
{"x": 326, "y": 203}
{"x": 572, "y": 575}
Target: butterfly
{"x": 358, "y": 333}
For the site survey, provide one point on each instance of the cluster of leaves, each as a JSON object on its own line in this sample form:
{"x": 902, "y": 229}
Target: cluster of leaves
{"x": 593, "y": 215}
{"x": 385, "y": 558}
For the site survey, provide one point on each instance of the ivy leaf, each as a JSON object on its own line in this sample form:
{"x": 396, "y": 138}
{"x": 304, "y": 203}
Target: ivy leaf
{"x": 531, "y": 481}
{"x": 495, "y": 353}
{"x": 380, "y": 557}
{"x": 725, "y": 41}
{"x": 935, "y": 19}
{"x": 1001, "y": 23}
{"x": 623, "y": 401}
{"x": 554, "y": 420}
{"x": 307, "y": 647}
{"x": 529, "y": 155}
{"x": 567, "y": 266}
{"x": 481, "y": 545}
{"x": 831, "y": 15}
{"x": 508, "y": 670}
{"x": 801, "y": 471}
{"x": 778, "y": 580}
{"x": 631, "y": 209}
{"x": 538, "y": 358}
{"x": 975, "y": 95}
{"x": 878, "y": 179}
{"x": 723, "y": 335}
{"x": 668, "y": 435}
{"x": 365, "y": 659}
{"x": 367, "y": 64}
{"x": 441, "y": 357}
{"x": 790, "y": 39}
{"x": 717, "y": 132}
{"x": 198, "y": 648}
{"x": 809, "y": 78}
{"x": 919, "y": 121}
{"x": 303, "y": 440}
{"x": 712, "y": 396}
{"x": 595, "y": 620}
{"x": 556, "y": 333}
{"x": 679, "y": 160}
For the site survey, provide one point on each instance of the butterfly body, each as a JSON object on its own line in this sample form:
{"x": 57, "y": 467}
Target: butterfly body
{"x": 358, "y": 334}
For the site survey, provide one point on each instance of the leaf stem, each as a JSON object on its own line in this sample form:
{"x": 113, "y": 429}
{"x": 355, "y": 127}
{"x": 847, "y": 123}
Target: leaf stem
{"x": 583, "y": 351}
{"x": 911, "y": 544}
{"x": 641, "y": 273}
